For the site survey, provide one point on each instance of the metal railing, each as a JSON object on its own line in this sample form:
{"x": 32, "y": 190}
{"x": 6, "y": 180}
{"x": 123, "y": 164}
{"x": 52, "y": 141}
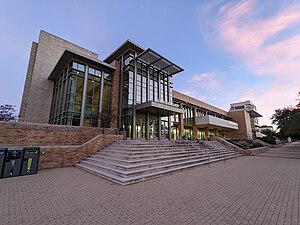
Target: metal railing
{"x": 220, "y": 140}
{"x": 111, "y": 131}
{"x": 206, "y": 152}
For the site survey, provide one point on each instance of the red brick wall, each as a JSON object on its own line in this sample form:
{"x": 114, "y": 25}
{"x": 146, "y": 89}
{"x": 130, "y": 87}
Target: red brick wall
{"x": 61, "y": 146}
{"x": 35, "y": 134}
{"x": 66, "y": 156}
{"x": 115, "y": 94}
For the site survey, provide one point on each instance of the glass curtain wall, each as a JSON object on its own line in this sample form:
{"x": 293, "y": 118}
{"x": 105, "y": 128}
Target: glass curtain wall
{"x": 92, "y": 98}
{"x": 153, "y": 89}
{"x": 68, "y": 94}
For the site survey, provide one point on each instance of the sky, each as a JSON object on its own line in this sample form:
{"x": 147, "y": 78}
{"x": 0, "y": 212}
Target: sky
{"x": 230, "y": 50}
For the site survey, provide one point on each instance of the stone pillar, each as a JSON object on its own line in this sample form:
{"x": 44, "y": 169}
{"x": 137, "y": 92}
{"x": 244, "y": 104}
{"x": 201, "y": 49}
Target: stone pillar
{"x": 159, "y": 127}
{"x": 147, "y": 126}
{"x": 195, "y": 129}
{"x": 134, "y": 125}
{"x": 115, "y": 113}
{"x": 169, "y": 128}
{"x": 206, "y": 133}
{"x": 181, "y": 122}
{"x": 216, "y": 132}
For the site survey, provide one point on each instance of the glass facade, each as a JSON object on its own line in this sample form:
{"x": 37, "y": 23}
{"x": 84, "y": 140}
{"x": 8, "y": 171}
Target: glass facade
{"x": 80, "y": 88}
{"x": 143, "y": 83}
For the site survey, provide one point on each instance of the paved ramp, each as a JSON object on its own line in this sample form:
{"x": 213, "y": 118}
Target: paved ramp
{"x": 290, "y": 151}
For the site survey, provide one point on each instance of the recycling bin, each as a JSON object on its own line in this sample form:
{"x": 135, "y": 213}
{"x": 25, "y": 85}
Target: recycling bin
{"x": 30, "y": 160}
{"x": 2, "y": 159}
{"x": 12, "y": 164}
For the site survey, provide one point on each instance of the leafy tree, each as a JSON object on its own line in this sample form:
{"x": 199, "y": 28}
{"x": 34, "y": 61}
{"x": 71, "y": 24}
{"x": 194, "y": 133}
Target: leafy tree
{"x": 270, "y": 136}
{"x": 288, "y": 121}
{"x": 8, "y": 113}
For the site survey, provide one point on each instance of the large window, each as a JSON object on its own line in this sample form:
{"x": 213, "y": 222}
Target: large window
{"x": 68, "y": 94}
{"x": 92, "y": 98}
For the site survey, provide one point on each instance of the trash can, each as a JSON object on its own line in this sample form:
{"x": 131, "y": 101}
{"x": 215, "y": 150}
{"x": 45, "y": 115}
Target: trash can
{"x": 30, "y": 160}
{"x": 12, "y": 164}
{"x": 2, "y": 159}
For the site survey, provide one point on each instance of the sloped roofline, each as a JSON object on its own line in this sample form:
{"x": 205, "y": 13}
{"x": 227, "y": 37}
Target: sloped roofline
{"x": 128, "y": 44}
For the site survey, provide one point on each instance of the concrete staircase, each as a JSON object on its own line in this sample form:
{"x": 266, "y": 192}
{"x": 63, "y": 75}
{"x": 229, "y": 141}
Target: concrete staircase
{"x": 130, "y": 161}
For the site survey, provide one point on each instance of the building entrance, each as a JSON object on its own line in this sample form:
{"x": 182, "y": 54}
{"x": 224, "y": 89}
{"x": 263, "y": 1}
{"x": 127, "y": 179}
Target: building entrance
{"x": 140, "y": 128}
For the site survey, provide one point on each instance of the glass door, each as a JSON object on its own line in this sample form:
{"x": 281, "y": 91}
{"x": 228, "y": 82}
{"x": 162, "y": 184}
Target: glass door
{"x": 140, "y": 128}
{"x": 153, "y": 134}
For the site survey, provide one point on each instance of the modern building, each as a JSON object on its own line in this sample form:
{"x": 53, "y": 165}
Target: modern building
{"x": 131, "y": 89}
{"x": 246, "y": 115}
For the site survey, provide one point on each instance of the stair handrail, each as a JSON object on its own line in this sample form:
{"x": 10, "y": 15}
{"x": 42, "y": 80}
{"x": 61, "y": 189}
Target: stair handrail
{"x": 224, "y": 140}
{"x": 206, "y": 152}
{"x": 110, "y": 131}
{"x": 205, "y": 147}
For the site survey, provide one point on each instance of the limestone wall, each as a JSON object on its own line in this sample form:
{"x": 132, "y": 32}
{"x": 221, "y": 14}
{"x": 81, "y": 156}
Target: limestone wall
{"x": 36, "y": 102}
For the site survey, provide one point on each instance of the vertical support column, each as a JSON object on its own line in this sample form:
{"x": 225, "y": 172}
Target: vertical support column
{"x": 181, "y": 122}
{"x": 206, "y": 133}
{"x": 158, "y": 88}
{"x": 148, "y": 84}
{"x": 159, "y": 127}
{"x": 147, "y": 126}
{"x": 121, "y": 93}
{"x": 195, "y": 129}
{"x": 169, "y": 128}
{"x": 216, "y": 132}
{"x": 134, "y": 99}
{"x": 101, "y": 92}
{"x": 169, "y": 91}
{"x": 86, "y": 77}
{"x": 101, "y": 98}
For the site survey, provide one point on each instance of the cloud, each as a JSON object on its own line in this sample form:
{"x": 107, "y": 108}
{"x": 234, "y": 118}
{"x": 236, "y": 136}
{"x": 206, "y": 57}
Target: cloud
{"x": 264, "y": 44}
{"x": 190, "y": 93}
{"x": 206, "y": 80}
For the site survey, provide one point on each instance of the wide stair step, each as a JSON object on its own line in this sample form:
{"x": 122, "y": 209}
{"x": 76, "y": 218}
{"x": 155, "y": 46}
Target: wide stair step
{"x": 131, "y": 161}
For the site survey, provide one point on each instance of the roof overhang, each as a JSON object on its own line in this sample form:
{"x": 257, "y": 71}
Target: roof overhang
{"x": 157, "y": 108}
{"x": 254, "y": 114}
{"x": 127, "y": 45}
{"x": 154, "y": 59}
{"x": 69, "y": 55}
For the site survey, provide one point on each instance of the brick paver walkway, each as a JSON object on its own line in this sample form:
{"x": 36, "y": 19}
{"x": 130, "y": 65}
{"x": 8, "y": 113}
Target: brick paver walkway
{"x": 250, "y": 190}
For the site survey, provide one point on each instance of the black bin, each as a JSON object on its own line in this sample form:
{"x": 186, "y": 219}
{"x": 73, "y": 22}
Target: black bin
{"x": 2, "y": 159}
{"x": 30, "y": 160}
{"x": 12, "y": 164}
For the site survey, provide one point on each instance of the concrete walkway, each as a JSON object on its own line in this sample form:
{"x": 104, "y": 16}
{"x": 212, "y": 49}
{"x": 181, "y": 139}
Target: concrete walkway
{"x": 291, "y": 151}
{"x": 250, "y": 190}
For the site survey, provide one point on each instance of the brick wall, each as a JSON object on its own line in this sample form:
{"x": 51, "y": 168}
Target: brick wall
{"x": 61, "y": 146}
{"x": 34, "y": 134}
{"x": 66, "y": 156}
{"x": 115, "y": 94}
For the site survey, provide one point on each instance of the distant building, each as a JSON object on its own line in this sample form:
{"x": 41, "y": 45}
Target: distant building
{"x": 246, "y": 115}
{"x": 68, "y": 85}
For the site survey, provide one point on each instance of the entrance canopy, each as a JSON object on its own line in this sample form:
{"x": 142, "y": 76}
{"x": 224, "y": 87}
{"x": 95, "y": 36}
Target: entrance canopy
{"x": 157, "y": 108}
{"x": 156, "y": 60}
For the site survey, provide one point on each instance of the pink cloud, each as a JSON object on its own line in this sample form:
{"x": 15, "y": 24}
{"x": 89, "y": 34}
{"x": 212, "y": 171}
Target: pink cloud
{"x": 255, "y": 41}
{"x": 206, "y": 80}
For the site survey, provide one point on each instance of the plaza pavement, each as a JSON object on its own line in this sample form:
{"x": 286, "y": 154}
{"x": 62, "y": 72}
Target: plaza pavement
{"x": 250, "y": 190}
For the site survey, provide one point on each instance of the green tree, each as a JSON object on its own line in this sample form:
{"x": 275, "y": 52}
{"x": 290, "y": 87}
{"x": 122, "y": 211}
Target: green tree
{"x": 8, "y": 113}
{"x": 288, "y": 121}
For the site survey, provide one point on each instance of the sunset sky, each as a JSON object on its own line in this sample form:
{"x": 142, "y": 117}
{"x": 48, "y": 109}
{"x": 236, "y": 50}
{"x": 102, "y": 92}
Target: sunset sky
{"x": 230, "y": 50}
